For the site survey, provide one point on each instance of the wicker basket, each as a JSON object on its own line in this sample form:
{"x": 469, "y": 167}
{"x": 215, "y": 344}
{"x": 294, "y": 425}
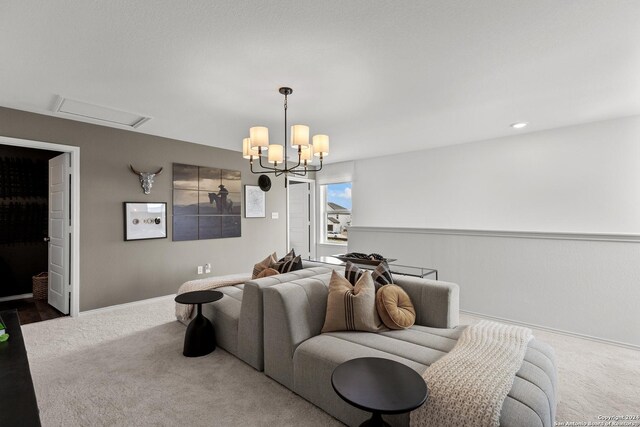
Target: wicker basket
{"x": 41, "y": 286}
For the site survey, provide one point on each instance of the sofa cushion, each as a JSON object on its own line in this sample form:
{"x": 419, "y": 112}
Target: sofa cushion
{"x": 381, "y": 274}
{"x": 530, "y": 402}
{"x": 351, "y": 308}
{"x": 263, "y": 265}
{"x": 395, "y": 307}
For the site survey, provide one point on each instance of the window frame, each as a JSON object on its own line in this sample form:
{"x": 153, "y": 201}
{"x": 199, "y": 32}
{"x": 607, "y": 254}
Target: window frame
{"x": 323, "y": 238}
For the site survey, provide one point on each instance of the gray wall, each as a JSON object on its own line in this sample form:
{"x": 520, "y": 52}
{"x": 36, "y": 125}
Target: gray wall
{"x": 113, "y": 271}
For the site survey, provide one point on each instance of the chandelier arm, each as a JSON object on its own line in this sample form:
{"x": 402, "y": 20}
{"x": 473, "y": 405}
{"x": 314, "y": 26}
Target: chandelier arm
{"x": 299, "y": 172}
{"x": 266, "y": 169}
{"x": 265, "y": 172}
{"x": 260, "y": 160}
{"x": 309, "y": 169}
{"x": 299, "y": 157}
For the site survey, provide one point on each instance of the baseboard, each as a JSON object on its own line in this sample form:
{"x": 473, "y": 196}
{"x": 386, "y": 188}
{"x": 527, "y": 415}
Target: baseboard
{"x": 127, "y": 304}
{"x": 554, "y": 330}
{"x": 14, "y": 297}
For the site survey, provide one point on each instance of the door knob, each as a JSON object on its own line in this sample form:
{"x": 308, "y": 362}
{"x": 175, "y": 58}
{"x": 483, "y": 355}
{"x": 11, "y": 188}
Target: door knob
{"x": 47, "y": 239}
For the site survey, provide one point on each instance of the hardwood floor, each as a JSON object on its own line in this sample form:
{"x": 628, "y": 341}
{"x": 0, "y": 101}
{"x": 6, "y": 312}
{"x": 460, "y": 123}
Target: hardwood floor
{"x": 31, "y": 310}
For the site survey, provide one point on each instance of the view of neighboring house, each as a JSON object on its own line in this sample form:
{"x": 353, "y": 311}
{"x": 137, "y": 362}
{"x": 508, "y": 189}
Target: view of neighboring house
{"x": 338, "y": 219}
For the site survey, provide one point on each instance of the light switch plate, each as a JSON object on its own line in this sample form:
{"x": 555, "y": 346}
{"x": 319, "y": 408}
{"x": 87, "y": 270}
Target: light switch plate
{"x": 199, "y": 269}
{"x": 275, "y": 215}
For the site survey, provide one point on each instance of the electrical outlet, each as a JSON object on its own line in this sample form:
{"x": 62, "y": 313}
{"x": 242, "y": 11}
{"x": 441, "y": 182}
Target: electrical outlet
{"x": 199, "y": 269}
{"x": 207, "y": 268}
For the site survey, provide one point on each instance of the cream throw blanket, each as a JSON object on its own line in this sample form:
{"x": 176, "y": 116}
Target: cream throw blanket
{"x": 184, "y": 311}
{"x": 468, "y": 386}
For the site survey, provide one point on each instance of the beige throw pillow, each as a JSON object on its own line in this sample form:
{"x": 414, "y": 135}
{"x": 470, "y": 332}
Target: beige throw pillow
{"x": 267, "y": 272}
{"x": 263, "y": 265}
{"x": 395, "y": 307}
{"x": 351, "y": 308}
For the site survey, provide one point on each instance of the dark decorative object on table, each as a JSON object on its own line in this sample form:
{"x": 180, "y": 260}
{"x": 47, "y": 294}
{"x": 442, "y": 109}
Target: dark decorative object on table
{"x": 360, "y": 258}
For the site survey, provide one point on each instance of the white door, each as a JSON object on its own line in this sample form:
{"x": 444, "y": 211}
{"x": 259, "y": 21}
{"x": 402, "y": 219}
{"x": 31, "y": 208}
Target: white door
{"x": 59, "y": 228}
{"x": 301, "y": 218}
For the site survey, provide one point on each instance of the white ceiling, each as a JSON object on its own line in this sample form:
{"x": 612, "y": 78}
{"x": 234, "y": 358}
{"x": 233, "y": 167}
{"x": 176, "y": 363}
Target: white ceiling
{"x": 379, "y": 77}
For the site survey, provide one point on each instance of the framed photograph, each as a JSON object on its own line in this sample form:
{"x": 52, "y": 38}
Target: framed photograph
{"x": 144, "y": 221}
{"x": 254, "y": 202}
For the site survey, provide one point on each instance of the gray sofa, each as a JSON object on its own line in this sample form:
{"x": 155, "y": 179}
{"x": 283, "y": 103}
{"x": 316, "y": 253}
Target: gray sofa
{"x": 237, "y": 318}
{"x": 298, "y": 356}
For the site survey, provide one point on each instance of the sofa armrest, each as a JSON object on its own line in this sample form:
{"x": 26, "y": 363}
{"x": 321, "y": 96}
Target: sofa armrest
{"x": 250, "y": 327}
{"x": 293, "y": 313}
{"x": 437, "y": 303}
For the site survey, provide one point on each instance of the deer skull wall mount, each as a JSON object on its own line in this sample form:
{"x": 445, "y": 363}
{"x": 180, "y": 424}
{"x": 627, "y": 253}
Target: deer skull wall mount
{"x": 146, "y": 178}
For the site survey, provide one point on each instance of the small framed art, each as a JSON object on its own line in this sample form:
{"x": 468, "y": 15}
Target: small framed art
{"x": 144, "y": 221}
{"x": 254, "y": 202}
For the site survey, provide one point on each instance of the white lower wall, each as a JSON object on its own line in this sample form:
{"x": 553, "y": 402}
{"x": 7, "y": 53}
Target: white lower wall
{"x": 581, "y": 283}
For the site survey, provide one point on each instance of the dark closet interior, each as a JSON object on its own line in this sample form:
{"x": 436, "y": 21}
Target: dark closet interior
{"x": 23, "y": 217}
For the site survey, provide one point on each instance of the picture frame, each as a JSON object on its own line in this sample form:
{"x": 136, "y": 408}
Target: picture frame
{"x": 145, "y": 221}
{"x": 207, "y": 203}
{"x": 254, "y": 202}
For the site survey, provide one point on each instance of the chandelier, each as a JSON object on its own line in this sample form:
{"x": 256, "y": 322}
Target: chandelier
{"x": 258, "y": 142}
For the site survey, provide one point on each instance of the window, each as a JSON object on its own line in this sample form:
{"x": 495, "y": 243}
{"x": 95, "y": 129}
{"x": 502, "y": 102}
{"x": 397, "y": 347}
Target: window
{"x": 336, "y": 212}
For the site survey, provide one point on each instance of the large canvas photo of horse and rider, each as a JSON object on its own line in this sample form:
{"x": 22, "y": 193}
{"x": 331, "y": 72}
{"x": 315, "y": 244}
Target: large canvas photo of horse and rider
{"x": 207, "y": 202}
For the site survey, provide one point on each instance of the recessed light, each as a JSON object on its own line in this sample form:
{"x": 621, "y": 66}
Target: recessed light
{"x": 518, "y": 125}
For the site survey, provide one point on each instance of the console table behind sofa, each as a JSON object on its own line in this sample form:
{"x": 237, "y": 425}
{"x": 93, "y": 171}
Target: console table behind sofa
{"x": 18, "y": 405}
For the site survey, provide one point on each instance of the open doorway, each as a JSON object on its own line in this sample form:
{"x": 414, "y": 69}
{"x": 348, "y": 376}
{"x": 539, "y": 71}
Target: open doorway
{"x": 39, "y": 224}
{"x": 301, "y": 217}
{"x": 24, "y": 207}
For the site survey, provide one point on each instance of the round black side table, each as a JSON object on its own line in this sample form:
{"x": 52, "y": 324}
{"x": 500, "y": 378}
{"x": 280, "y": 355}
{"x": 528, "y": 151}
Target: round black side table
{"x": 379, "y": 386}
{"x": 200, "y": 338}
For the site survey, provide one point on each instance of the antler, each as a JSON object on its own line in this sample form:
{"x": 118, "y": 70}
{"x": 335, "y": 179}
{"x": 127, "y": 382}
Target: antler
{"x": 159, "y": 171}
{"x": 134, "y": 171}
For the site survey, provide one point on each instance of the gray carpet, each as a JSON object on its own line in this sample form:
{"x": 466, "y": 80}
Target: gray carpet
{"x": 594, "y": 379}
{"x": 125, "y": 367}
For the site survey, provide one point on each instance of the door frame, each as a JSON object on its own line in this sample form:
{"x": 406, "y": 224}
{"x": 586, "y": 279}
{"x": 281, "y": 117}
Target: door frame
{"x": 74, "y": 273}
{"x": 312, "y": 212}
